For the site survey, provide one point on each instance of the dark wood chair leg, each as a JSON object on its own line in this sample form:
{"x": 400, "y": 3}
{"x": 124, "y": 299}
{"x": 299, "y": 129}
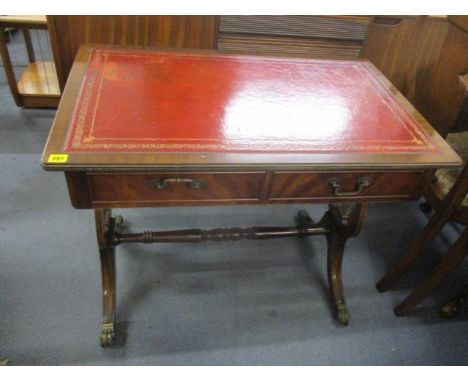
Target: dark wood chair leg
{"x": 344, "y": 223}
{"x": 451, "y": 308}
{"x": 445, "y": 266}
{"x": 415, "y": 251}
{"x": 104, "y": 227}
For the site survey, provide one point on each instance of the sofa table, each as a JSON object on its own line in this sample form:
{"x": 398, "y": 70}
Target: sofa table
{"x": 151, "y": 128}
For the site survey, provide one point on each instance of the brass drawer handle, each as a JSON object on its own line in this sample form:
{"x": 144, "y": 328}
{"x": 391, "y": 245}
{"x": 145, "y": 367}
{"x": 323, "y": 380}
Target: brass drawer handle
{"x": 161, "y": 184}
{"x": 335, "y": 185}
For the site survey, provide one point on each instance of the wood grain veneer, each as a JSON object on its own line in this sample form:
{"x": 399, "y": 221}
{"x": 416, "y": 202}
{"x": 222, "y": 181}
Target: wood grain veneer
{"x": 426, "y": 58}
{"x": 314, "y": 185}
{"x": 138, "y": 186}
{"x": 135, "y": 189}
{"x": 67, "y": 33}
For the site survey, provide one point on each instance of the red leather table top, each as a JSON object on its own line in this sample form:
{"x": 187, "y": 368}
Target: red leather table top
{"x": 150, "y": 101}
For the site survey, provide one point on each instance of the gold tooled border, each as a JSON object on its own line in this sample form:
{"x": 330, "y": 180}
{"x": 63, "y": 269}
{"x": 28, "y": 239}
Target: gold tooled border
{"x": 88, "y": 142}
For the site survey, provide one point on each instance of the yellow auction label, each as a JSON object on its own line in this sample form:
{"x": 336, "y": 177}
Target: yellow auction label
{"x": 58, "y": 158}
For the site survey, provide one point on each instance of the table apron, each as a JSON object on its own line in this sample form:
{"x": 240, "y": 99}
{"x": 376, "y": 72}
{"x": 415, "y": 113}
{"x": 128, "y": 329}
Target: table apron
{"x": 197, "y": 188}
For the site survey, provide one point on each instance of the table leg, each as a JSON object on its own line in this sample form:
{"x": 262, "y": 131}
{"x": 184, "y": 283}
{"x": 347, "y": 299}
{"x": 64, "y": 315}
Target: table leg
{"x": 338, "y": 224}
{"x": 344, "y": 222}
{"x": 104, "y": 231}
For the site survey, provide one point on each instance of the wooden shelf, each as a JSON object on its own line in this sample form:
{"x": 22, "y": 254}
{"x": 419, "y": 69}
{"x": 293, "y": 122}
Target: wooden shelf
{"x": 24, "y": 21}
{"x": 39, "y": 78}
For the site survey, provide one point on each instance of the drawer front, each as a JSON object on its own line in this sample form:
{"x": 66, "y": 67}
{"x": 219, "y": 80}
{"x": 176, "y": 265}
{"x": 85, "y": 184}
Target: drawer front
{"x": 175, "y": 187}
{"x": 339, "y": 185}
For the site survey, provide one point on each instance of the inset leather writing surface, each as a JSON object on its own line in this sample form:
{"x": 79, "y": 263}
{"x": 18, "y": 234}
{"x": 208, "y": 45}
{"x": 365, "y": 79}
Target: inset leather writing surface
{"x": 149, "y": 101}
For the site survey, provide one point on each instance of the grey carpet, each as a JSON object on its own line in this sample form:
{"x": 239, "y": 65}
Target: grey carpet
{"x": 252, "y": 303}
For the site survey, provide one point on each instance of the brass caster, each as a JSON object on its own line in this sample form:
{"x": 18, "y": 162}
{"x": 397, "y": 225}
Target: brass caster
{"x": 107, "y": 334}
{"x": 449, "y": 310}
{"x": 343, "y": 314}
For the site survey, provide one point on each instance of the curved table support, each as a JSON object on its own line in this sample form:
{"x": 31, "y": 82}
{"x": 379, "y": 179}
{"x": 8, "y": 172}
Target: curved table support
{"x": 338, "y": 224}
{"x": 105, "y": 234}
{"x": 344, "y": 222}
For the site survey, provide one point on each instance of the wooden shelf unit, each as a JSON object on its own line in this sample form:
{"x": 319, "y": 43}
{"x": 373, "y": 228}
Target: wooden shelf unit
{"x": 38, "y": 84}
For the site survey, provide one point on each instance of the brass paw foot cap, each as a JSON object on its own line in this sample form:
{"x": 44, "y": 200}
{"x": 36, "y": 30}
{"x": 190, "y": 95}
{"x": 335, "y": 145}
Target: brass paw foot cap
{"x": 449, "y": 310}
{"x": 107, "y": 334}
{"x": 343, "y": 315}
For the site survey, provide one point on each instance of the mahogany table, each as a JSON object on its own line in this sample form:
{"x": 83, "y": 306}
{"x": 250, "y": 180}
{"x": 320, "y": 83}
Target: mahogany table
{"x": 152, "y": 128}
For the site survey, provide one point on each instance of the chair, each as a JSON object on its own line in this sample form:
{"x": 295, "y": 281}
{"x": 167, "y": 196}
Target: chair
{"x": 448, "y": 197}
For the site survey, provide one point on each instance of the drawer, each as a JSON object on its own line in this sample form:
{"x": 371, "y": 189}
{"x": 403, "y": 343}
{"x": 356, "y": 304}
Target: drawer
{"x": 336, "y": 185}
{"x": 175, "y": 187}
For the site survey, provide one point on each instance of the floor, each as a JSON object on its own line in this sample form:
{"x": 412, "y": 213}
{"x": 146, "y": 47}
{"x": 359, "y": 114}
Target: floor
{"x": 249, "y": 303}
